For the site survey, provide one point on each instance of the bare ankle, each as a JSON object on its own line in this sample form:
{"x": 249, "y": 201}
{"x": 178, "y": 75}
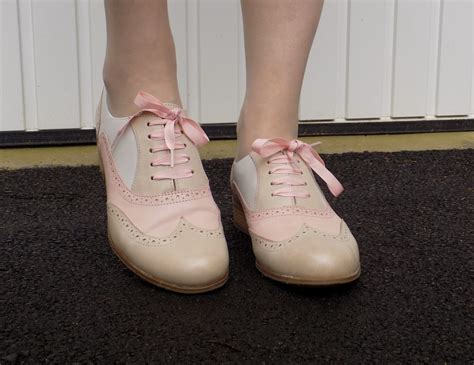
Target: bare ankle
{"x": 263, "y": 124}
{"x": 124, "y": 82}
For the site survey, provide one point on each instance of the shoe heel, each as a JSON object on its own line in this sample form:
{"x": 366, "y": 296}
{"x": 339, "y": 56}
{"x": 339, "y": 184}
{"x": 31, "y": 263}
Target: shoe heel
{"x": 101, "y": 165}
{"x": 97, "y": 128}
{"x": 238, "y": 212}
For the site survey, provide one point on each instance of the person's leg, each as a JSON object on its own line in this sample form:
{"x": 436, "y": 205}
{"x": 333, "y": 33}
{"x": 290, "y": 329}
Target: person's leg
{"x": 162, "y": 221}
{"x": 296, "y": 237}
{"x": 278, "y": 37}
{"x": 140, "y": 54}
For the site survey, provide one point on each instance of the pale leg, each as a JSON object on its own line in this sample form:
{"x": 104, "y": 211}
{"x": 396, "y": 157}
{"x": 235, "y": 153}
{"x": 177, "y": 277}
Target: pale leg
{"x": 140, "y": 53}
{"x": 278, "y": 38}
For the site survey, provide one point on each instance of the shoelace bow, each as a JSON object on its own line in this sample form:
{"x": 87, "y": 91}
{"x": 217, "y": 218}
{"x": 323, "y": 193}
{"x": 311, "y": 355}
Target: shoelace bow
{"x": 175, "y": 124}
{"x": 286, "y": 165}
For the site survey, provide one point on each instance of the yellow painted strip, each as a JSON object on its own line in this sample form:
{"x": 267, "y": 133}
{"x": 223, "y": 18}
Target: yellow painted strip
{"x": 15, "y": 158}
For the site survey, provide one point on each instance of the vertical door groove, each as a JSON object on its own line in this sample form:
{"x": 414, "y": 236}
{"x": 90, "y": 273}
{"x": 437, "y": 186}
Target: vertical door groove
{"x": 85, "y": 63}
{"x": 28, "y": 67}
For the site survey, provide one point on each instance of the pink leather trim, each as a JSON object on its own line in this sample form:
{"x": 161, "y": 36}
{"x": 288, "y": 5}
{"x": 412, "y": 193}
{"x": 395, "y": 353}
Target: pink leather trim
{"x": 288, "y": 221}
{"x": 290, "y": 210}
{"x": 153, "y": 241}
{"x": 160, "y": 215}
{"x": 305, "y": 230}
{"x": 285, "y": 227}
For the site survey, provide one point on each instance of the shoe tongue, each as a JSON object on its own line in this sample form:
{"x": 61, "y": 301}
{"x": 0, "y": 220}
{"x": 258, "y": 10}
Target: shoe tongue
{"x": 172, "y": 106}
{"x": 142, "y": 182}
{"x": 175, "y": 106}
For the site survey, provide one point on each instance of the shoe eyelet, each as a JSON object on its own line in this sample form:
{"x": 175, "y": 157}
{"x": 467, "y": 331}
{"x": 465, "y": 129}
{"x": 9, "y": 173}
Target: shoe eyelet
{"x": 150, "y": 150}
{"x": 151, "y": 178}
{"x": 151, "y": 164}
{"x": 149, "y": 136}
{"x": 192, "y": 172}
{"x": 147, "y": 124}
{"x": 269, "y": 172}
{"x": 272, "y": 194}
{"x": 185, "y": 145}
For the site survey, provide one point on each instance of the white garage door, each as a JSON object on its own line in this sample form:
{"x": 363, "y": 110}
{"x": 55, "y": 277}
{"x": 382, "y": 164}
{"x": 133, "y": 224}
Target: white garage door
{"x": 372, "y": 59}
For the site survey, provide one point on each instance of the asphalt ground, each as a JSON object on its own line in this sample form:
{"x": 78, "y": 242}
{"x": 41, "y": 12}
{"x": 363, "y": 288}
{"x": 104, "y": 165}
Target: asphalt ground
{"x": 67, "y": 299}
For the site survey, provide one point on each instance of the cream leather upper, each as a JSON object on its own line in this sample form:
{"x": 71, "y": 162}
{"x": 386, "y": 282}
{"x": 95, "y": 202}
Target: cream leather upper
{"x": 186, "y": 257}
{"x": 245, "y": 176}
{"x": 125, "y": 153}
{"x": 169, "y": 230}
{"x": 293, "y": 237}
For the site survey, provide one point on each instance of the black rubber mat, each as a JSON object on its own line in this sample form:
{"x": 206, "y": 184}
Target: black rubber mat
{"x": 66, "y": 298}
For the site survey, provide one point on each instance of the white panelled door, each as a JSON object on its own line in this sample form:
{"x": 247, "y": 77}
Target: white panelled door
{"x": 371, "y": 60}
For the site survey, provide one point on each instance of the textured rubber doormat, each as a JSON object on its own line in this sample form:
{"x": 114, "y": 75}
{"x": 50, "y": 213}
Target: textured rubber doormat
{"x": 66, "y": 298}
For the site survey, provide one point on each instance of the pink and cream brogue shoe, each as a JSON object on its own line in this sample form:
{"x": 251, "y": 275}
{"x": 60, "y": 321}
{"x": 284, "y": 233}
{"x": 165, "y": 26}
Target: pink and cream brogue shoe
{"x": 162, "y": 220}
{"x": 296, "y": 237}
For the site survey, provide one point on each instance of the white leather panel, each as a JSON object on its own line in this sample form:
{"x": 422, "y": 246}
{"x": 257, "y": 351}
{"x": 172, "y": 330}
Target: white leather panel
{"x": 125, "y": 152}
{"x": 245, "y": 176}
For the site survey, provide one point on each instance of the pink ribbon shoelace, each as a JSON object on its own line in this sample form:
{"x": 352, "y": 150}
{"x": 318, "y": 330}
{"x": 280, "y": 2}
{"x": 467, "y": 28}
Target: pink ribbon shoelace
{"x": 286, "y": 164}
{"x": 175, "y": 124}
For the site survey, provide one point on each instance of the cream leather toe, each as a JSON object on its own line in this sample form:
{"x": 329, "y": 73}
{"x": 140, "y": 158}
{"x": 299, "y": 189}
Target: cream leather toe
{"x": 309, "y": 257}
{"x": 296, "y": 236}
{"x": 162, "y": 220}
{"x": 189, "y": 257}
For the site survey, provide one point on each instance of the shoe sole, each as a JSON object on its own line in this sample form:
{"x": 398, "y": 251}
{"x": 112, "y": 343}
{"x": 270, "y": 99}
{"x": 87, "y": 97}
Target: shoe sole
{"x": 162, "y": 283}
{"x": 240, "y": 222}
{"x": 294, "y": 280}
